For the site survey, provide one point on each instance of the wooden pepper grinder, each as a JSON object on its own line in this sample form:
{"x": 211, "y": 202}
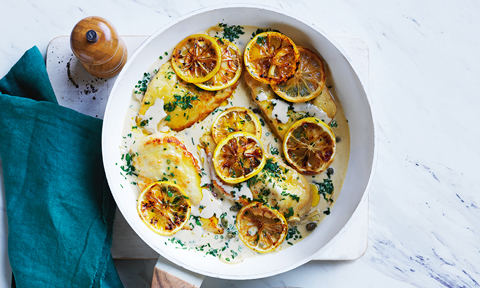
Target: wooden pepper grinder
{"x": 97, "y": 45}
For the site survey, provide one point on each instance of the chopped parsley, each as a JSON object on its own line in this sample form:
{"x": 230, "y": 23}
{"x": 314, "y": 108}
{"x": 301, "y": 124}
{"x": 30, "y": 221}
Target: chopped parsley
{"x": 208, "y": 186}
{"x": 129, "y": 169}
{"x": 196, "y": 219}
{"x": 174, "y": 240}
{"x": 272, "y": 168}
{"x": 263, "y": 195}
{"x": 141, "y": 86}
{"x": 207, "y": 248}
{"x": 262, "y": 121}
{"x": 333, "y": 123}
{"x": 293, "y": 234}
{"x": 238, "y": 186}
{"x": 169, "y": 75}
{"x": 261, "y": 40}
{"x": 325, "y": 188}
{"x": 144, "y": 123}
{"x": 274, "y": 151}
{"x": 231, "y": 32}
{"x": 184, "y": 102}
{"x": 212, "y": 252}
{"x": 306, "y": 115}
{"x": 289, "y": 213}
{"x": 293, "y": 196}
{"x": 216, "y": 111}
{"x": 259, "y": 30}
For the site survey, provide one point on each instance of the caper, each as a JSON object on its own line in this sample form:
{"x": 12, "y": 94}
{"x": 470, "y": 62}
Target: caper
{"x": 330, "y": 172}
{"x": 230, "y": 235}
{"x": 224, "y": 222}
{"x": 311, "y": 226}
{"x": 338, "y": 139}
{"x": 236, "y": 207}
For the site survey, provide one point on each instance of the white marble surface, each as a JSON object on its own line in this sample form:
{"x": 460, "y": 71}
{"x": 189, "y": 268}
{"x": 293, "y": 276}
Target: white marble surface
{"x": 424, "y": 89}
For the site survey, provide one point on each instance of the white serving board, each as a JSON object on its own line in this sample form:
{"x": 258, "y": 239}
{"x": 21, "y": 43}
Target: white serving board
{"x": 77, "y": 89}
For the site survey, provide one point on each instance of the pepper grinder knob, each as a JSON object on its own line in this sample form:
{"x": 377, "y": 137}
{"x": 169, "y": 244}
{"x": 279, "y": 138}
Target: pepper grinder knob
{"x": 95, "y": 42}
{"x": 92, "y": 36}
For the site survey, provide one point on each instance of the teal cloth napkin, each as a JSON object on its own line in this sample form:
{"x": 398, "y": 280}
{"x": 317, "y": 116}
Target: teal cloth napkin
{"x": 59, "y": 208}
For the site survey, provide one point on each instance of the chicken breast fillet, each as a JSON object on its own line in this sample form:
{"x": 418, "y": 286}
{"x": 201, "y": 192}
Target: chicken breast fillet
{"x": 183, "y": 103}
{"x": 283, "y": 188}
{"x": 281, "y": 114}
{"x": 162, "y": 157}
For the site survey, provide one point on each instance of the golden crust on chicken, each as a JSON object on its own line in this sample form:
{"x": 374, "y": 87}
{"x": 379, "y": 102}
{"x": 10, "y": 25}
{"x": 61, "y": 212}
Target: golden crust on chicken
{"x": 162, "y": 157}
{"x": 267, "y": 101}
{"x": 184, "y": 103}
{"x": 283, "y": 188}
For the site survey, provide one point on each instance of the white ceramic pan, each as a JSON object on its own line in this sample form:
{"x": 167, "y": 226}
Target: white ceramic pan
{"x": 349, "y": 90}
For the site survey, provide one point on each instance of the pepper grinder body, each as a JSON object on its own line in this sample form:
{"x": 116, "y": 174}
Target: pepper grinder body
{"x": 95, "y": 42}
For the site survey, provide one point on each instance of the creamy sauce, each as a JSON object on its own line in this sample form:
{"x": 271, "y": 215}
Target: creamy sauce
{"x": 281, "y": 106}
{"x": 227, "y": 246}
{"x": 153, "y": 116}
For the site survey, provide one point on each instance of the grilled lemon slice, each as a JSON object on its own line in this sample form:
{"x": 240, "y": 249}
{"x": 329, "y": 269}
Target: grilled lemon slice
{"x": 164, "y": 207}
{"x": 307, "y": 82}
{"x": 238, "y": 157}
{"x": 196, "y": 58}
{"x": 271, "y": 57}
{"x": 235, "y": 119}
{"x": 260, "y": 227}
{"x": 309, "y": 146}
{"x": 230, "y": 68}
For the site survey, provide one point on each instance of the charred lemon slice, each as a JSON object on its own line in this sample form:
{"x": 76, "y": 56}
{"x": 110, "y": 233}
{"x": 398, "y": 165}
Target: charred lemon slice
{"x": 238, "y": 157}
{"x": 196, "y": 58}
{"x": 309, "y": 146}
{"x": 235, "y": 119}
{"x": 271, "y": 57}
{"x": 260, "y": 227}
{"x": 307, "y": 82}
{"x": 230, "y": 67}
{"x": 164, "y": 207}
